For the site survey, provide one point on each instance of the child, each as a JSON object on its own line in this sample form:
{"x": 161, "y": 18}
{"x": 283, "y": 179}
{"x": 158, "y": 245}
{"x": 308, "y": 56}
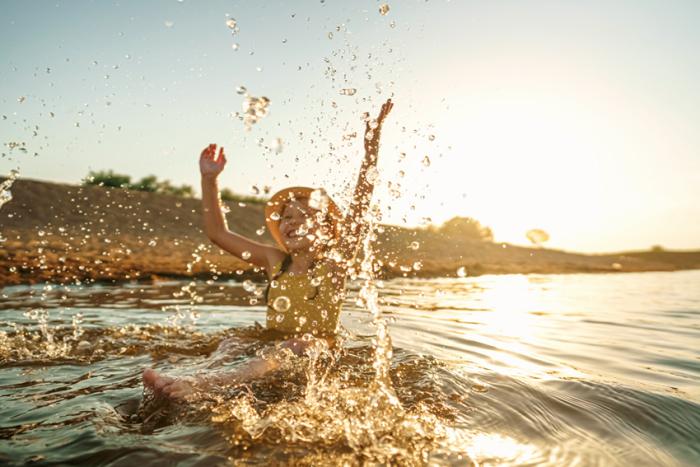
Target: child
{"x": 306, "y": 270}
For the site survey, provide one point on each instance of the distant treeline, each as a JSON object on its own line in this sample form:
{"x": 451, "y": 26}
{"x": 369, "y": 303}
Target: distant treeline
{"x": 465, "y": 227}
{"x": 151, "y": 184}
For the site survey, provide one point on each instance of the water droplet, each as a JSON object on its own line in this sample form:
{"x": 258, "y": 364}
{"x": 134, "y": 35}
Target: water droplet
{"x": 5, "y": 193}
{"x": 231, "y": 23}
{"x": 235, "y": 46}
{"x": 302, "y": 320}
{"x": 274, "y": 284}
{"x": 248, "y": 285}
{"x": 260, "y": 231}
{"x": 41, "y": 233}
{"x": 417, "y": 266}
{"x": 426, "y": 161}
{"x": 21, "y": 99}
{"x": 384, "y": 9}
{"x": 152, "y": 243}
{"x": 246, "y": 255}
{"x": 169, "y": 24}
{"x": 316, "y": 281}
{"x": 318, "y": 199}
{"x": 277, "y": 145}
{"x": 462, "y": 272}
{"x": 281, "y": 303}
{"x": 431, "y": 137}
{"x": 372, "y": 174}
{"x": 241, "y": 90}
{"x": 254, "y": 109}
{"x": 330, "y": 35}
{"x": 392, "y": 24}
{"x": 279, "y": 318}
{"x": 348, "y": 92}
{"x": 415, "y": 245}
{"x": 324, "y": 314}
{"x": 275, "y": 216}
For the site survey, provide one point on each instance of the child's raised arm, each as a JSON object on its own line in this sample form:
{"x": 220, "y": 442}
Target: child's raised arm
{"x": 355, "y": 222}
{"x": 215, "y": 226}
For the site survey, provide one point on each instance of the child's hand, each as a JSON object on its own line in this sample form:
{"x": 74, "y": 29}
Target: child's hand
{"x": 374, "y": 127}
{"x": 209, "y": 165}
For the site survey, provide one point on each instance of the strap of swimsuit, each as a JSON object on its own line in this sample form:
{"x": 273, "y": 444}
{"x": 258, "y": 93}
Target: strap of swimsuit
{"x": 283, "y": 268}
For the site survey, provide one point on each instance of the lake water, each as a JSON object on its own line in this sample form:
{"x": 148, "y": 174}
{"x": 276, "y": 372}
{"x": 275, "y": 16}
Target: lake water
{"x": 491, "y": 370}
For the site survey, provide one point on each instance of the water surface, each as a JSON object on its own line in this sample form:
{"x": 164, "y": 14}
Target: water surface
{"x": 492, "y": 370}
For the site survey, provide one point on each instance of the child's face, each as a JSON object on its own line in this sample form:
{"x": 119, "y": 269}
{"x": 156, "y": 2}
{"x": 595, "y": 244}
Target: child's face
{"x": 301, "y": 226}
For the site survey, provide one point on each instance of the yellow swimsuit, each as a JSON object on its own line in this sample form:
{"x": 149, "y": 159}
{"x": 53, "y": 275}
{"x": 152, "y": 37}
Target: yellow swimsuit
{"x": 300, "y": 303}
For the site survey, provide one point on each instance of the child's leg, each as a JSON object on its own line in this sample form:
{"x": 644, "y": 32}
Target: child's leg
{"x": 180, "y": 388}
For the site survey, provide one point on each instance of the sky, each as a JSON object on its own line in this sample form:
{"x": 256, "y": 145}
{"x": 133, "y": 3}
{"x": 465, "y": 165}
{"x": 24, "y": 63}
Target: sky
{"x": 578, "y": 118}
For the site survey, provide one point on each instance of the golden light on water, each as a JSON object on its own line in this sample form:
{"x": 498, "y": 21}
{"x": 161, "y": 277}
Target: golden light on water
{"x": 486, "y": 449}
{"x": 516, "y": 320}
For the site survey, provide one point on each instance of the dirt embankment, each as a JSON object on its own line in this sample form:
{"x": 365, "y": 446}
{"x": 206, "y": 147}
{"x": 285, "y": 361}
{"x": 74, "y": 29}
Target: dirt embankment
{"x": 69, "y": 234}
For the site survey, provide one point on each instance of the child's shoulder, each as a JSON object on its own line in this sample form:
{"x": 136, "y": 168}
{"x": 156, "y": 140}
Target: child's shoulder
{"x": 278, "y": 261}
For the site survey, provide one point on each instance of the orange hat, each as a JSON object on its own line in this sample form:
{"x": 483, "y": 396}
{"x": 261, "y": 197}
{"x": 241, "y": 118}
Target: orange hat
{"x": 275, "y": 206}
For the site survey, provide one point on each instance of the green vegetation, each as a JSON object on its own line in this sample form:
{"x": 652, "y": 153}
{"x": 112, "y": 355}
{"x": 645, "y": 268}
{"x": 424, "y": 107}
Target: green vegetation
{"x": 107, "y": 178}
{"x": 151, "y": 184}
{"x": 228, "y": 195}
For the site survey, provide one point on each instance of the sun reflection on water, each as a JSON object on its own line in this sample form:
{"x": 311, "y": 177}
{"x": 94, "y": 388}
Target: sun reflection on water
{"x": 495, "y": 449}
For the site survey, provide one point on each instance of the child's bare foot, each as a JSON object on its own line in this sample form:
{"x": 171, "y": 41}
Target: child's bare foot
{"x": 164, "y": 385}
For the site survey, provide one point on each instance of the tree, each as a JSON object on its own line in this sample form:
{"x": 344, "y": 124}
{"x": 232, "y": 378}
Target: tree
{"x": 537, "y": 236}
{"x": 107, "y": 178}
{"x": 168, "y": 188}
{"x": 149, "y": 183}
{"x": 466, "y": 227}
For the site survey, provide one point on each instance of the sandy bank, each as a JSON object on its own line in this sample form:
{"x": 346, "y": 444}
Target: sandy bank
{"x": 69, "y": 234}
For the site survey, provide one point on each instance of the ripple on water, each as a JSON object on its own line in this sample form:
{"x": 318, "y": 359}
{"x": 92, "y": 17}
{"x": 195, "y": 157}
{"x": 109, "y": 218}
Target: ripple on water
{"x": 500, "y": 369}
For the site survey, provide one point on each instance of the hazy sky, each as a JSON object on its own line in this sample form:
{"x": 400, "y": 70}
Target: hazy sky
{"x": 579, "y": 118}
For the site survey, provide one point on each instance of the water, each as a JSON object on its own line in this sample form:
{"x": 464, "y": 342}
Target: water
{"x": 492, "y": 370}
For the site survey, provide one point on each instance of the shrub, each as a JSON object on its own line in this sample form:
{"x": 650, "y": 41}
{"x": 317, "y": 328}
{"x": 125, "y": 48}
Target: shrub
{"x": 228, "y": 195}
{"x": 107, "y": 178}
{"x": 149, "y": 183}
{"x": 465, "y": 227}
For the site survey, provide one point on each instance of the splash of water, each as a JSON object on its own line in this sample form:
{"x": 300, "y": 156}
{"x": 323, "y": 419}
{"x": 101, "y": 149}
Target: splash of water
{"x": 254, "y": 109}
{"x": 5, "y": 193}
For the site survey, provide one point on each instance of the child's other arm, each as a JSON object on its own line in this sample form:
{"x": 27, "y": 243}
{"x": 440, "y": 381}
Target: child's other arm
{"x": 355, "y": 221}
{"x": 215, "y": 226}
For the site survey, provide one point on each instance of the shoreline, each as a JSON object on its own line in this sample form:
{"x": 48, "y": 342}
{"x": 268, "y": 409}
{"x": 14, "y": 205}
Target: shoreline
{"x": 65, "y": 234}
